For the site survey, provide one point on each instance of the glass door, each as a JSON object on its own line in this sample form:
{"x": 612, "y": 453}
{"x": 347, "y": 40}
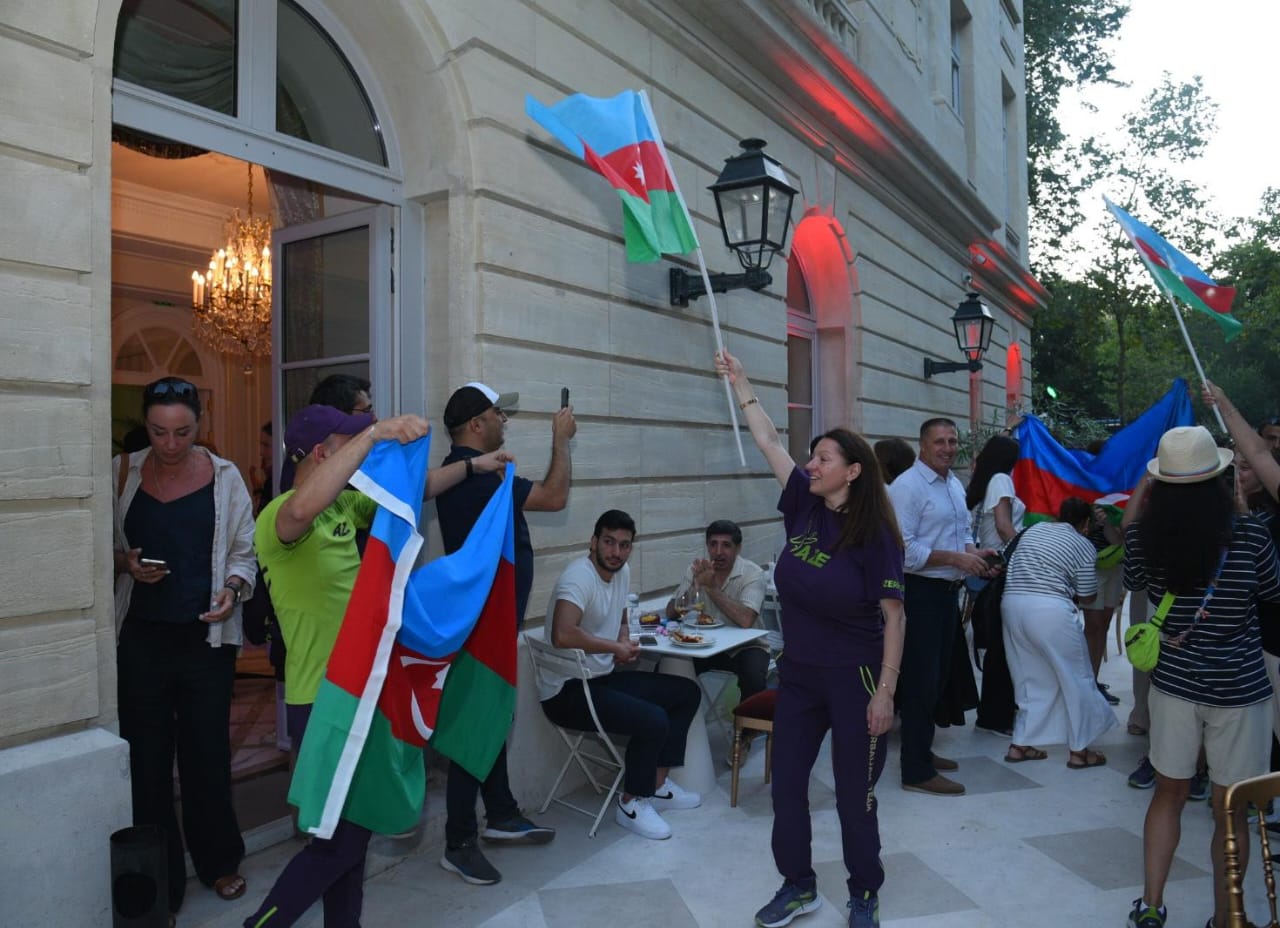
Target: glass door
{"x": 333, "y": 291}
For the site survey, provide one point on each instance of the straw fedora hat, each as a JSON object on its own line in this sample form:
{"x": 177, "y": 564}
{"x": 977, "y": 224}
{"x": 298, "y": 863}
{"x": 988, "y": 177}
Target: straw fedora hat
{"x": 1188, "y": 454}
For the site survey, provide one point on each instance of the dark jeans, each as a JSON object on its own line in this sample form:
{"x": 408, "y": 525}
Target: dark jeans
{"x": 811, "y": 702}
{"x": 750, "y": 665}
{"x": 460, "y": 824}
{"x": 175, "y": 697}
{"x": 926, "y": 656}
{"x": 654, "y": 709}
{"x": 332, "y": 869}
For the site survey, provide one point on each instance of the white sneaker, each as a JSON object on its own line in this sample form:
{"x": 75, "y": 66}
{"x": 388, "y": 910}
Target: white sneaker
{"x": 638, "y": 815}
{"x": 671, "y": 795}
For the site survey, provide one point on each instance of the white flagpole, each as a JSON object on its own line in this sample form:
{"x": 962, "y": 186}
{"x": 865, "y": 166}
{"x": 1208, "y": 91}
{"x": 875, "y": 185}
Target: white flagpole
{"x": 702, "y": 267}
{"x": 1177, "y": 314}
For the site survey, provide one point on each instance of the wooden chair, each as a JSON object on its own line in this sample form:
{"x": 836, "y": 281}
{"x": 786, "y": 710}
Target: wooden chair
{"x": 571, "y": 663}
{"x": 1256, "y": 790}
{"x": 754, "y": 714}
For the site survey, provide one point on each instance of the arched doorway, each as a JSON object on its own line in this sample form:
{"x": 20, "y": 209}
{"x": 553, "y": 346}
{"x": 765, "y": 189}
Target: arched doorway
{"x": 205, "y": 94}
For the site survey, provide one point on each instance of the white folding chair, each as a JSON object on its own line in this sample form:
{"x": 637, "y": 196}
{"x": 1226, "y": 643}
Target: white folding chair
{"x": 571, "y": 663}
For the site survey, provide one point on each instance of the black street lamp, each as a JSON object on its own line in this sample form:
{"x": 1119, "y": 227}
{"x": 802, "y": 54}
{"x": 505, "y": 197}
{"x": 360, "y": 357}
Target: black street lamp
{"x": 753, "y": 200}
{"x": 973, "y": 323}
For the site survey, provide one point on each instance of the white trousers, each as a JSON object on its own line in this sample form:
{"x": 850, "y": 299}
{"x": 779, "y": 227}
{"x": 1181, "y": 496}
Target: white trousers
{"x": 1058, "y": 701}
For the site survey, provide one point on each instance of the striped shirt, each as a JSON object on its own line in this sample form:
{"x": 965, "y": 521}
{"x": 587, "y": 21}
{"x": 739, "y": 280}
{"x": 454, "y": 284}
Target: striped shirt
{"x": 1220, "y": 663}
{"x": 1053, "y": 559}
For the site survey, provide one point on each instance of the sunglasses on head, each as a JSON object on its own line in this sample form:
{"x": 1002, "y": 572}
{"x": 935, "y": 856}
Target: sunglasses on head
{"x": 176, "y": 388}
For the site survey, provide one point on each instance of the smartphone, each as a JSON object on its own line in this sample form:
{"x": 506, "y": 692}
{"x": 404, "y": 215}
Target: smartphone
{"x": 648, "y": 641}
{"x": 153, "y": 562}
{"x": 564, "y": 397}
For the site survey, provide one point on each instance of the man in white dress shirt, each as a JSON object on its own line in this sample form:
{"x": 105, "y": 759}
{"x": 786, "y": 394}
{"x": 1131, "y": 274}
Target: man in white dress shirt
{"x": 935, "y": 524}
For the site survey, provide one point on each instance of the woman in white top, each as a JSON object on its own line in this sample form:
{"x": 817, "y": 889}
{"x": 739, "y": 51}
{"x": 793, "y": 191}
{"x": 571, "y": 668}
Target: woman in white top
{"x": 998, "y": 517}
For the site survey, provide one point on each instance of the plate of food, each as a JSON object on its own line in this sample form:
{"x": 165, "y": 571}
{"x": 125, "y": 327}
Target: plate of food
{"x": 650, "y": 619}
{"x": 689, "y": 639}
{"x": 702, "y": 620}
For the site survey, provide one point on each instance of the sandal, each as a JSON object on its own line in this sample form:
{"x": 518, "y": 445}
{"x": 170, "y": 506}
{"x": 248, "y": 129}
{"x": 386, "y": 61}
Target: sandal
{"x": 1025, "y": 752}
{"x": 1136, "y": 730}
{"x": 1081, "y": 760}
{"x": 230, "y": 887}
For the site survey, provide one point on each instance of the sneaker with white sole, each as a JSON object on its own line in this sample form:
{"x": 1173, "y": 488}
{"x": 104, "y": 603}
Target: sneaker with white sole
{"x": 518, "y": 830}
{"x": 638, "y": 815}
{"x": 469, "y": 863}
{"x": 790, "y": 901}
{"x": 672, "y": 795}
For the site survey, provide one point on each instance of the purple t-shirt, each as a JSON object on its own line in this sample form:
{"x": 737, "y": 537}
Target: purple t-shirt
{"x": 831, "y": 599}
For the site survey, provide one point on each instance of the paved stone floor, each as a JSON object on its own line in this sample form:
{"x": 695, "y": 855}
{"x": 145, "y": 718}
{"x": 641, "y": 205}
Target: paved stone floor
{"x": 1035, "y": 844}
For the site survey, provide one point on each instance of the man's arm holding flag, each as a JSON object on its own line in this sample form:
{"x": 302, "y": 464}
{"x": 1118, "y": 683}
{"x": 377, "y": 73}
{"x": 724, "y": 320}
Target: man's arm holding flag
{"x": 1248, "y": 442}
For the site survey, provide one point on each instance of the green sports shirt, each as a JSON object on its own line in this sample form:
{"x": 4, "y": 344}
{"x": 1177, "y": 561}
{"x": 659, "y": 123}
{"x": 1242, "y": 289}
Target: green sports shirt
{"x": 310, "y": 582}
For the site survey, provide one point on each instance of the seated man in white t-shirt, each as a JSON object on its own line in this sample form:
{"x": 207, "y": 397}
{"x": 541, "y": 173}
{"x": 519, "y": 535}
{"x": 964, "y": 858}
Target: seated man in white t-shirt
{"x": 588, "y": 611}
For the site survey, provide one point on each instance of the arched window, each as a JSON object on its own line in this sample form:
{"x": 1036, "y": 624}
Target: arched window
{"x": 212, "y": 54}
{"x": 802, "y": 364}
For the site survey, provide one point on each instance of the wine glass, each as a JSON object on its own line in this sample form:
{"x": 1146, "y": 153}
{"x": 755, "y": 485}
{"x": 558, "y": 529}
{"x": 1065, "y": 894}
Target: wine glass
{"x": 684, "y": 602}
{"x": 697, "y": 604}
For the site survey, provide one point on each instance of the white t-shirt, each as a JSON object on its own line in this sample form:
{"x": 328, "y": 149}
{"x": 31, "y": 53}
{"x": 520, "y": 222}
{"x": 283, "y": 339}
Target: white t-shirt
{"x": 603, "y": 605}
{"x": 1000, "y": 487}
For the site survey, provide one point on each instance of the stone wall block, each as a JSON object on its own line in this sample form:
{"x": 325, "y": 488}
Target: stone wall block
{"x": 45, "y": 338}
{"x": 47, "y": 214}
{"x": 45, "y": 101}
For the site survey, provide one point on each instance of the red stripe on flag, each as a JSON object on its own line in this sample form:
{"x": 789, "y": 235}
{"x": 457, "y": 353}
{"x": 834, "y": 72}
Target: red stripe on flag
{"x": 1216, "y": 297}
{"x": 493, "y": 640}
{"x": 364, "y": 621}
{"x": 636, "y": 168}
{"x": 410, "y": 698}
{"x": 1043, "y": 493}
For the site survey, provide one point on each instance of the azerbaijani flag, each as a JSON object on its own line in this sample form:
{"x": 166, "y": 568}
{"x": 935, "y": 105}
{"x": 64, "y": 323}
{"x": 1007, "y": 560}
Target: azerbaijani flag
{"x": 1177, "y": 274}
{"x": 1047, "y": 473}
{"x": 619, "y": 138}
{"x": 381, "y": 699}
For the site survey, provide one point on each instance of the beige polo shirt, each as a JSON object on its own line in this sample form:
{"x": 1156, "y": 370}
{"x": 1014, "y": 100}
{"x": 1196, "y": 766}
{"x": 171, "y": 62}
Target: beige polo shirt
{"x": 746, "y": 584}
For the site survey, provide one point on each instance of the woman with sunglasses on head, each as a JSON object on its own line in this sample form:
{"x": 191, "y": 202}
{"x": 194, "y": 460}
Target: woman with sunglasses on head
{"x": 840, "y": 581}
{"x": 184, "y": 561}
{"x": 1204, "y": 568}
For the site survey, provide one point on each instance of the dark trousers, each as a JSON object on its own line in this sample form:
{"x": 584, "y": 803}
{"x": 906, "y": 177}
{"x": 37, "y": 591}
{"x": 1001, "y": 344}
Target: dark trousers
{"x": 997, "y": 708}
{"x": 330, "y": 869}
{"x": 175, "y": 698}
{"x": 460, "y": 824}
{"x": 926, "y": 655}
{"x": 653, "y": 709}
{"x": 811, "y": 702}
{"x": 750, "y": 665}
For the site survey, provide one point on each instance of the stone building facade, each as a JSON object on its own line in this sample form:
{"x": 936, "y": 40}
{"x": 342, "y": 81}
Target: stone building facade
{"x": 901, "y": 121}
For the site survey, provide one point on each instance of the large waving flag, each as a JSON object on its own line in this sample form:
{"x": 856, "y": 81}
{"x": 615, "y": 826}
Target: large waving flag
{"x": 619, "y": 138}
{"x": 1047, "y": 473}
{"x": 1178, "y": 275}
{"x": 393, "y": 662}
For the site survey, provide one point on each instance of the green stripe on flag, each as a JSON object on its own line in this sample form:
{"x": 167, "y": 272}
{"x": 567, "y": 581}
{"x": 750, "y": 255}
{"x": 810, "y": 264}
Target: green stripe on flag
{"x": 473, "y": 691}
{"x": 389, "y": 785}
{"x": 660, "y": 226}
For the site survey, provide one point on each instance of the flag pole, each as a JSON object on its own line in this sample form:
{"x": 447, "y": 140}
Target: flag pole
{"x": 1182, "y": 325}
{"x": 702, "y": 267}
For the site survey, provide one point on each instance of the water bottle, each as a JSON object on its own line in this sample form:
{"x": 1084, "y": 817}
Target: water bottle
{"x": 633, "y": 614}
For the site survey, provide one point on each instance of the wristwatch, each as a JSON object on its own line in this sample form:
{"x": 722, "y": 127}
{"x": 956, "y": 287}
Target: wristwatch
{"x": 237, "y": 589}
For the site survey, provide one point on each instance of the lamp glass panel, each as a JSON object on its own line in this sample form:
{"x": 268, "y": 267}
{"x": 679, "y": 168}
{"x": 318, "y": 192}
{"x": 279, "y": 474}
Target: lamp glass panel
{"x": 742, "y": 208}
{"x": 777, "y": 217}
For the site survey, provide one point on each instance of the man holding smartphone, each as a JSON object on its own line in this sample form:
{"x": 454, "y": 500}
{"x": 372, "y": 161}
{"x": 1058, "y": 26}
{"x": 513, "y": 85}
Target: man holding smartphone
{"x": 476, "y": 417}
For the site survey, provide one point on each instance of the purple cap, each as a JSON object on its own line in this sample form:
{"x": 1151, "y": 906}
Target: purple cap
{"x": 313, "y": 424}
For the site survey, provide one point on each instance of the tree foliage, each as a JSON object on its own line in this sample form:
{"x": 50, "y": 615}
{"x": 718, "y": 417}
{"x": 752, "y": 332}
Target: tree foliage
{"x": 1063, "y": 47}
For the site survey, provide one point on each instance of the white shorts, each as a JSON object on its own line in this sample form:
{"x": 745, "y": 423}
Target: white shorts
{"x": 1236, "y": 739}
{"x": 1110, "y": 588}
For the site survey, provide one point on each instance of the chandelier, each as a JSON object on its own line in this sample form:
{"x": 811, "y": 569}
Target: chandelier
{"x": 231, "y": 301}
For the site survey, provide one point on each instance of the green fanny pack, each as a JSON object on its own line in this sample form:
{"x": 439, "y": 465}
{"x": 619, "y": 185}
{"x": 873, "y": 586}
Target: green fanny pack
{"x": 1142, "y": 641}
{"x": 1110, "y": 556}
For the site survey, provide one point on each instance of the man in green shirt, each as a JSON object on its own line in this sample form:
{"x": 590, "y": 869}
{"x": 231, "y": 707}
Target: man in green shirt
{"x": 306, "y": 543}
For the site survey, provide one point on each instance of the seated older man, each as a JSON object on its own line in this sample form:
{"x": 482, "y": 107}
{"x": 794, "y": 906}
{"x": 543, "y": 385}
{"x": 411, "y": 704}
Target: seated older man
{"x": 733, "y": 589}
{"x": 588, "y": 611}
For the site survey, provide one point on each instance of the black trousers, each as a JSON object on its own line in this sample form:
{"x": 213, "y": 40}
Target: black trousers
{"x": 461, "y": 825}
{"x": 750, "y": 665}
{"x": 996, "y": 708}
{"x": 933, "y": 608}
{"x": 175, "y": 698}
